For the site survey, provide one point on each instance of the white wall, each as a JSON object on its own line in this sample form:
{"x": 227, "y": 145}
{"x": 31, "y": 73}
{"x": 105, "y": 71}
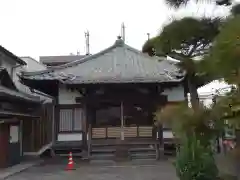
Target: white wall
{"x": 175, "y": 93}
{"x": 32, "y": 64}
{"x": 67, "y": 96}
{"x": 69, "y": 137}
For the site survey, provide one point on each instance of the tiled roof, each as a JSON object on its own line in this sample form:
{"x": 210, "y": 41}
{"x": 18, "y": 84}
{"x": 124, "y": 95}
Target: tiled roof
{"x": 10, "y": 113}
{"x": 119, "y": 63}
{"x": 9, "y": 92}
{"x": 12, "y": 90}
{"x": 13, "y": 56}
{"x": 59, "y": 59}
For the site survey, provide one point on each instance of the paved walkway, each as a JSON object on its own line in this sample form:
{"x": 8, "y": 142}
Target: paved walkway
{"x": 5, "y": 173}
{"x": 123, "y": 171}
{"x": 55, "y": 169}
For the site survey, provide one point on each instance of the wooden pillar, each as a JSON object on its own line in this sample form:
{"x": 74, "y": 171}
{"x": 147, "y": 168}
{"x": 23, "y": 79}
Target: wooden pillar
{"x": 32, "y": 135}
{"x": 21, "y": 137}
{"x": 89, "y": 141}
{"x": 84, "y": 127}
{"x": 54, "y": 121}
{"x": 87, "y": 128}
{"x": 122, "y": 122}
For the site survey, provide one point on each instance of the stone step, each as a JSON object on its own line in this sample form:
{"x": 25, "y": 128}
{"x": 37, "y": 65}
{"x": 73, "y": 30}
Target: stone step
{"x": 75, "y": 152}
{"x": 138, "y": 162}
{"x": 143, "y": 156}
{"x": 169, "y": 152}
{"x": 102, "y": 150}
{"x": 137, "y": 145}
{"x": 144, "y": 149}
{"x": 102, "y": 156}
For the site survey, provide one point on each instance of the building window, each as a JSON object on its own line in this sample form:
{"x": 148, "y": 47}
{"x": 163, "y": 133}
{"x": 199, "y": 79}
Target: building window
{"x": 70, "y": 120}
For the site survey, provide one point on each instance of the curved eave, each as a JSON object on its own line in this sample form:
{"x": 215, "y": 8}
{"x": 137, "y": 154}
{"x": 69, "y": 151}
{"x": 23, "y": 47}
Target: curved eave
{"x": 18, "y": 96}
{"x": 48, "y": 87}
{"x": 104, "y": 80}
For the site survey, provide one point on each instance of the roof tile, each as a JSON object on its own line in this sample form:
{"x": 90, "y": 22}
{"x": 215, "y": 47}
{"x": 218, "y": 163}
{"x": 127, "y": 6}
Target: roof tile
{"x": 119, "y": 63}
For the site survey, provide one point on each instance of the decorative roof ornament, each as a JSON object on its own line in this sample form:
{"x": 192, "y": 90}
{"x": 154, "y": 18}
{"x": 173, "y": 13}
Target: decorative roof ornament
{"x": 119, "y": 41}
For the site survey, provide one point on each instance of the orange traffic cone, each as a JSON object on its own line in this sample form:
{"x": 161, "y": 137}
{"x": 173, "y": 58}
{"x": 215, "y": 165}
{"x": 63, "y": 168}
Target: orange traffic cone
{"x": 70, "y": 165}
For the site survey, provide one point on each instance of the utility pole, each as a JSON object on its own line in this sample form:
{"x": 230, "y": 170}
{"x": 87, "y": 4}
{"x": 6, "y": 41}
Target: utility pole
{"x": 87, "y": 43}
{"x": 123, "y": 32}
{"x": 148, "y": 35}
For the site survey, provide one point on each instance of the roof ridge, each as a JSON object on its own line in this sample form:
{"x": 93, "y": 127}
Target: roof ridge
{"x": 32, "y": 59}
{"x": 143, "y": 54}
{"x": 118, "y": 43}
{"x": 87, "y": 58}
{"x": 70, "y": 64}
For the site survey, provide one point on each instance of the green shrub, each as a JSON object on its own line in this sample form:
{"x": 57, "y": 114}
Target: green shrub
{"x": 195, "y": 162}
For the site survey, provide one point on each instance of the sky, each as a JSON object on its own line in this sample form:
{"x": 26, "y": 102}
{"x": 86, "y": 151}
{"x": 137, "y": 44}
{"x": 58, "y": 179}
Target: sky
{"x": 56, "y": 27}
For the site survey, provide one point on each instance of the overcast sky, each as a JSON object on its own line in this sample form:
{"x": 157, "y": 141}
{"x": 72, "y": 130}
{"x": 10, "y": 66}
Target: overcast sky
{"x": 56, "y": 27}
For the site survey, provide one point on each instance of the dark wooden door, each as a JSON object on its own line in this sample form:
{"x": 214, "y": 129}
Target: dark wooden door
{"x": 14, "y": 145}
{"x": 4, "y": 145}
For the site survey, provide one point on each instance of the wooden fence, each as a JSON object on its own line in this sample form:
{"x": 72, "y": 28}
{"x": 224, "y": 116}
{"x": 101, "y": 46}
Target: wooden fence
{"x": 38, "y": 132}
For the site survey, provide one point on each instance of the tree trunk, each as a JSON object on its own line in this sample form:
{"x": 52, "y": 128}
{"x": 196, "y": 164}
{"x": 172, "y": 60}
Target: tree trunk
{"x": 194, "y": 98}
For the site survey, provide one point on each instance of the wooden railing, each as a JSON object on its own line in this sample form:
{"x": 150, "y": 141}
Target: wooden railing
{"x": 115, "y": 132}
{"x": 98, "y": 133}
{"x": 145, "y": 131}
{"x": 130, "y": 132}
